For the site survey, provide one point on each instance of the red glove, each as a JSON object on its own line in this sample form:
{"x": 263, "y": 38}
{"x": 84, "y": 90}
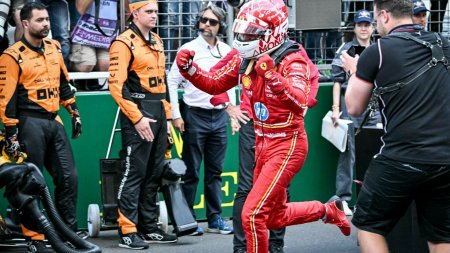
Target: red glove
{"x": 184, "y": 59}
{"x": 264, "y": 66}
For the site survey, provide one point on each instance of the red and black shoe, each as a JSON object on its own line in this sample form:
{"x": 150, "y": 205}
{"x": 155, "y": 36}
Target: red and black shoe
{"x": 334, "y": 214}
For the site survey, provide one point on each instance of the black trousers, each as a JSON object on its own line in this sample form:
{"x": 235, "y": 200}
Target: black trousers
{"x": 205, "y": 138}
{"x": 245, "y": 182}
{"x": 46, "y": 144}
{"x": 143, "y": 163}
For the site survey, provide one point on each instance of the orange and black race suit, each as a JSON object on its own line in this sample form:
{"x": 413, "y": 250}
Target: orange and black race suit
{"x": 138, "y": 84}
{"x": 33, "y": 84}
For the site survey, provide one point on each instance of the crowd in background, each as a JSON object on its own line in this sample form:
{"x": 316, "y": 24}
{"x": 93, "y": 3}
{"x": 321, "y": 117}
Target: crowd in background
{"x": 85, "y": 44}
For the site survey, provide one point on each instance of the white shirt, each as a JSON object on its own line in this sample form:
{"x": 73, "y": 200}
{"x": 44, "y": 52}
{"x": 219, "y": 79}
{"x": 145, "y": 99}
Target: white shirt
{"x": 206, "y": 57}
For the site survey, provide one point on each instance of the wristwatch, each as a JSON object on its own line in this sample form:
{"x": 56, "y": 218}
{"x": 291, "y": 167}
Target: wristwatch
{"x": 350, "y": 73}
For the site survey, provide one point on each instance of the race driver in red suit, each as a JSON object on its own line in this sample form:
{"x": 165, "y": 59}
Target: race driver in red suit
{"x": 278, "y": 86}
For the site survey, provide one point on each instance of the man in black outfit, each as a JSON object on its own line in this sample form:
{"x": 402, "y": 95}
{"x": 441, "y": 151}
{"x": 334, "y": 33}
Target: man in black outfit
{"x": 412, "y": 82}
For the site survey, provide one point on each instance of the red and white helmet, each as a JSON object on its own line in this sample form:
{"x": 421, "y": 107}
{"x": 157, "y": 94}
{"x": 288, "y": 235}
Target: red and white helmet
{"x": 265, "y": 22}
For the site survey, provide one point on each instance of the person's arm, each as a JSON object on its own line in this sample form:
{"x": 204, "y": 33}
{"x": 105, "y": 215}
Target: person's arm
{"x": 67, "y": 96}
{"x": 212, "y": 83}
{"x": 358, "y": 90}
{"x": 83, "y": 6}
{"x": 120, "y": 56}
{"x": 8, "y": 103}
{"x": 335, "y": 107}
{"x": 231, "y": 93}
{"x": 234, "y": 111}
{"x": 339, "y": 77}
{"x": 174, "y": 79}
{"x": 357, "y": 95}
{"x": 314, "y": 74}
{"x": 292, "y": 87}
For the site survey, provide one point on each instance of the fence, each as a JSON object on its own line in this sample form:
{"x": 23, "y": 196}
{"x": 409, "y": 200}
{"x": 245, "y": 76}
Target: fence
{"x": 177, "y": 19}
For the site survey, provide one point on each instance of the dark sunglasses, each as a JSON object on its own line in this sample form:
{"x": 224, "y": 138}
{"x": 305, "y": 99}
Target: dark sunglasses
{"x": 212, "y": 22}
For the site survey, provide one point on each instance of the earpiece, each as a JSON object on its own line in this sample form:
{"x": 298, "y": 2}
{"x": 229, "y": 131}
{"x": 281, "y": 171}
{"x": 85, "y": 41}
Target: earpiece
{"x": 219, "y": 12}
{"x": 223, "y": 28}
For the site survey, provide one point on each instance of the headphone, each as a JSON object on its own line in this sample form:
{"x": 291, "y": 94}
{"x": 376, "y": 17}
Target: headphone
{"x": 219, "y": 13}
{"x": 237, "y": 3}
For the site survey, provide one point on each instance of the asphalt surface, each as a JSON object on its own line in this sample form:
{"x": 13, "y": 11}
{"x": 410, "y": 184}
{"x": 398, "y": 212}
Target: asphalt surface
{"x": 315, "y": 237}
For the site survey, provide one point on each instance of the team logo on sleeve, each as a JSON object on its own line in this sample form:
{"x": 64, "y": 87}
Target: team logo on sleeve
{"x": 261, "y": 111}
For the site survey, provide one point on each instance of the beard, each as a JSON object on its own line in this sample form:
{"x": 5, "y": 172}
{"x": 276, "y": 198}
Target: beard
{"x": 208, "y": 34}
{"x": 39, "y": 34}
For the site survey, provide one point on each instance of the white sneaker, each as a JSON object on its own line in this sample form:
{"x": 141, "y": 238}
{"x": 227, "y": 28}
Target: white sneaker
{"x": 347, "y": 210}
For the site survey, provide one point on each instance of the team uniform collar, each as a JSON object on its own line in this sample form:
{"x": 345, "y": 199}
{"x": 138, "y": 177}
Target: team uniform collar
{"x": 39, "y": 50}
{"x": 135, "y": 29}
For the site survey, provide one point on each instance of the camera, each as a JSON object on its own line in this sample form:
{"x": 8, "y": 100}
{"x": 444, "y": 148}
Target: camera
{"x": 355, "y": 50}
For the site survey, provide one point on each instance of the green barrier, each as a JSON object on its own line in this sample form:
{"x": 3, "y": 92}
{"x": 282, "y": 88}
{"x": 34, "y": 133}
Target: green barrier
{"x": 314, "y": 182}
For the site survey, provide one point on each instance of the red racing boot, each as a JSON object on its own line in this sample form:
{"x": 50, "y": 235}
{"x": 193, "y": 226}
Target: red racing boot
{"x": 334, "y": 214}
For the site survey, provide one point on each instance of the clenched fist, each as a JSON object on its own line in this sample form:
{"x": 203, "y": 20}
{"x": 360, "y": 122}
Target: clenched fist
{"x": 264, "y": 66}
{"x": 184, "y": 59}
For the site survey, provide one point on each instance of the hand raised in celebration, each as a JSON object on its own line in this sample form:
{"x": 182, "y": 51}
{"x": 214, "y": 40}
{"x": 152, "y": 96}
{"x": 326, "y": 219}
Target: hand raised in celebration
{"x": 184, "y": 59}
{"x": 264, "y": 66}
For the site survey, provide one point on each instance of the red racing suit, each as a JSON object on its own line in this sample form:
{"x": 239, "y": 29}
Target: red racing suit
{"x": 281, "y": 141}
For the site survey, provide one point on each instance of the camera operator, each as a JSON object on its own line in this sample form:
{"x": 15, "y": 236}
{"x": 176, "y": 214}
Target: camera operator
{"x": 407, "y": 69}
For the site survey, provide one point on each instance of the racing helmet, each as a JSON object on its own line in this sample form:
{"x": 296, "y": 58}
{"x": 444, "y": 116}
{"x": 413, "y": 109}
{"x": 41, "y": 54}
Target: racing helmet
{"x": 260, "y": 27}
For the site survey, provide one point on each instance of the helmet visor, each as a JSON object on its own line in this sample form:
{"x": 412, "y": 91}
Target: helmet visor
{"x": 246, "y": 27}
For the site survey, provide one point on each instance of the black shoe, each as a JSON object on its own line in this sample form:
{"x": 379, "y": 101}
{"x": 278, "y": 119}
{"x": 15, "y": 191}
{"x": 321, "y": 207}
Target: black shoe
{"x": 159, "y": 236}
{"x": 39, "y": 247}
{"x": 275, "y": 248}
{"x": 132, "y": 241}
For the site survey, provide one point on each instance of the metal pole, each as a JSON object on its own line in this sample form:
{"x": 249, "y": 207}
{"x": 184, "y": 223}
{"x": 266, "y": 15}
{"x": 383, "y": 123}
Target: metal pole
{"x": 230, "y": 20}
{"x": 122, "y": 15}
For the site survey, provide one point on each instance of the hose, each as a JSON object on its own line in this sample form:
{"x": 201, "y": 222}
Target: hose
{"x": 24, "y": 184}
{"x": 82, "y": 246}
